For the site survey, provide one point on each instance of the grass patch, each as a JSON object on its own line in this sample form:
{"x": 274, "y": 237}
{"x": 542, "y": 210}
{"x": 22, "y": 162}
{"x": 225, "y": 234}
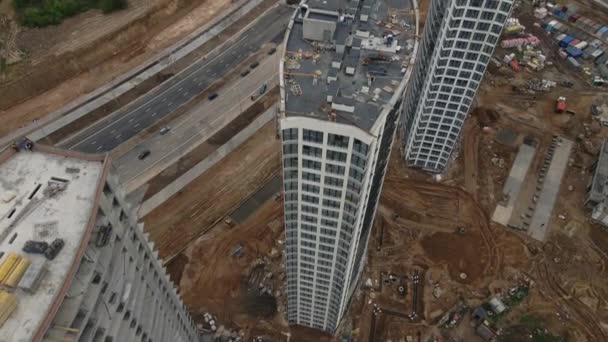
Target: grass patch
{"x": 41, "y": 13}
{"x": 530, "y": 328}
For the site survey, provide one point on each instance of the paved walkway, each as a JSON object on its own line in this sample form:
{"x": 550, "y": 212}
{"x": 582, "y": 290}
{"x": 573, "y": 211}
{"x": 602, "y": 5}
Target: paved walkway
{"x": 175, "y": 186}
{"x": 548, "y": 194}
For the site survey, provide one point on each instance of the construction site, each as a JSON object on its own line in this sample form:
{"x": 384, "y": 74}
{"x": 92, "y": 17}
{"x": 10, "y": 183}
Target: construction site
{"x": 500, "y": 247}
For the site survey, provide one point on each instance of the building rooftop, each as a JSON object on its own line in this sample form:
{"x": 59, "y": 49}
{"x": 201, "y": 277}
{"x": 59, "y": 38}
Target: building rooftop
{"x": 45, "y": 195}
{"x": 345, "y": 61}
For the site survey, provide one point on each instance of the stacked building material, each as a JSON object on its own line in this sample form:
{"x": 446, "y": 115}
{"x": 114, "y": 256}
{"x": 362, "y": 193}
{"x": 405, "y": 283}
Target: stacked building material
{"x": 530, "y": 40}
{"x": 12, "y": 269}
{"x": 34, "y": 274}
{"x": 8, "y": 304}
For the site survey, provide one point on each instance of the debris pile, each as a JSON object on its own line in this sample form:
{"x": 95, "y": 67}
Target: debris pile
{"x": 540, "y": 85}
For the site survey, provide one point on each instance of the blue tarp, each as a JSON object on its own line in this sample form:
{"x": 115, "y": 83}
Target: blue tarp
{"x": 574, "y": 52}
{"x": 564, "y": 42}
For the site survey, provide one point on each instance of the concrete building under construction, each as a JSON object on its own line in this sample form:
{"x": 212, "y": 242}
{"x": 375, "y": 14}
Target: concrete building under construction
{"x": 341, "y": 82}
{"x": 457, "y": 44}
{"x": 596, "y": 198}
{"x": 74, "y": 263}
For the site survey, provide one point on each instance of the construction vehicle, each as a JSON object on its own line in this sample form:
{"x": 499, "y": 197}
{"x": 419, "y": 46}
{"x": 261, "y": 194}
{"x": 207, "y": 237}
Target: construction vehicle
{"x": 560, "y": 105}
{"x": 54, "y": 249}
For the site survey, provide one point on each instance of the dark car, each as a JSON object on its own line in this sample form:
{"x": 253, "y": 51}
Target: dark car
{"x": 212, "y": 96}
{"x": 54, "y": 249}
{"x": 254, "y": 65}
{"x": 272, "y": 51}
{"x": 245, "y": 73}
{"x": 143, "y": 154}
{"x": 35, "y": 247}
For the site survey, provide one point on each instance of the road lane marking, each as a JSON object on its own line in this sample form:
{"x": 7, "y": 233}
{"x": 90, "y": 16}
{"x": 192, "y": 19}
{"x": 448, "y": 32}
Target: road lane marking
{"x": 154, "y": 114}
{"x": 169, "y": 104}
{"x": 99, "y": 148}
{"x": 164, "y": 99}
{"x": 131, "y": 120}
{"x": 148, "y": 109}
{"x": 180, "y": 89}
{"x": 179, "y": 78}
{"x": 136, "y": 125}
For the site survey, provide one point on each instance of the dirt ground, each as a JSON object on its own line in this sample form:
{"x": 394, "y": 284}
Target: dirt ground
{"x": 216, "y": 192}
{"x": 56, "y": 70}
{"x": 440, "y": 233}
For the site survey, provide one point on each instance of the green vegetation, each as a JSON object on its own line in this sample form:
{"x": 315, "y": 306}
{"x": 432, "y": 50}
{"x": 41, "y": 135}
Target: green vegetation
{"x": 40, "y": 13}
{"x": 530, "y": 328}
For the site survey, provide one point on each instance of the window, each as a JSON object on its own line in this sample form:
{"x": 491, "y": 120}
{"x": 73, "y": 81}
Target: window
{"x": 290, "y": 149}
{"x": 336, "y": 156}
{"x": 356, "y": 174}
{"x": 331, "y": 203}
{"x": 333, "y": 181}
{"x": 332, "y": 193}
{"x": 312, "y": 151}
{"x": 335, "y": 169}
{"x": 338, "y": 140}
{"x": 310, "y": 164}
{"x": 290, "y": 134}
{"x": 310, "y": 188}
{"x": 290, "y": 162}
{"x": 313, "y": 136}
{"x": 309, "y": 176}
{"x": 310, "y": 199}
{"x": 330, "y": 213}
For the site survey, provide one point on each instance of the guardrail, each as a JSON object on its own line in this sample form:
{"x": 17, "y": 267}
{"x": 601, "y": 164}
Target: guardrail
{"x": 127, "y": 81}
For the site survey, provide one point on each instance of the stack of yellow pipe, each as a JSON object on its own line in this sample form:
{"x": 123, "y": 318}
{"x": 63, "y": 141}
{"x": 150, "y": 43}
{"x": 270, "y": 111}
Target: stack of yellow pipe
{"x": 8, "y": 304}
{"x": 12, "y": 269}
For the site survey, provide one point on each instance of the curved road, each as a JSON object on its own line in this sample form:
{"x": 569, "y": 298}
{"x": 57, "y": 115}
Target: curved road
{"x": 110, "y": 132}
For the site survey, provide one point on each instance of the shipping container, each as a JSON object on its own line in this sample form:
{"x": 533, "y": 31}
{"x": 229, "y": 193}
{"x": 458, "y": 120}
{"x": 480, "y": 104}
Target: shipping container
{"x": 597, "y": 53}
{"x": 601, "y": 59}
{"x": 603, "y": 71}
{"x": 573, "y": 52}
{"x": 559, "y": 37}
{"x": 582, "y": 45}
{"x": 564, "y": 42}
{"x": 574, "y": 62}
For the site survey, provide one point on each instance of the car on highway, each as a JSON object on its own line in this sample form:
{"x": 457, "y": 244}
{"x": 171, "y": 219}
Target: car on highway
{"x": 245, "y": 73}
{"x": 254, "y": 65}
{"x": 212, "y": 96}
{"x": 260, "y": 92}
{"x": 143, "y": 154}
{"x": 165, "y": 130}
{"x": 272, "y": 51}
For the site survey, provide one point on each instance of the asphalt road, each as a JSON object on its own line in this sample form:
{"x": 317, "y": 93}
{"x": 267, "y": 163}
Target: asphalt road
{"x": 120, "y": 126}
{"x": 194, "y": 127}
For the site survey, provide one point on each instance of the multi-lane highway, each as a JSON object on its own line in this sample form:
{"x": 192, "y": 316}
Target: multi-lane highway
{"x": 194, "y": 127}
{"x": 110, "y": 132}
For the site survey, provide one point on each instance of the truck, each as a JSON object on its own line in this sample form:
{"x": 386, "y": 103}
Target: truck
{"x": 560, "y": 105}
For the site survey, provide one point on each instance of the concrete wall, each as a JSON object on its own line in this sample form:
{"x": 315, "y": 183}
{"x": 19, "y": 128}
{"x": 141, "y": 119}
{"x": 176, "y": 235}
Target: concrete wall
{"x": 121, "y": 291}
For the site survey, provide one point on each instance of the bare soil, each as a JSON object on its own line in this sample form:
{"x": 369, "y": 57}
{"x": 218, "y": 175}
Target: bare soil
{"x": 204, "y": 202}
{"x": 100, "y": 47}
